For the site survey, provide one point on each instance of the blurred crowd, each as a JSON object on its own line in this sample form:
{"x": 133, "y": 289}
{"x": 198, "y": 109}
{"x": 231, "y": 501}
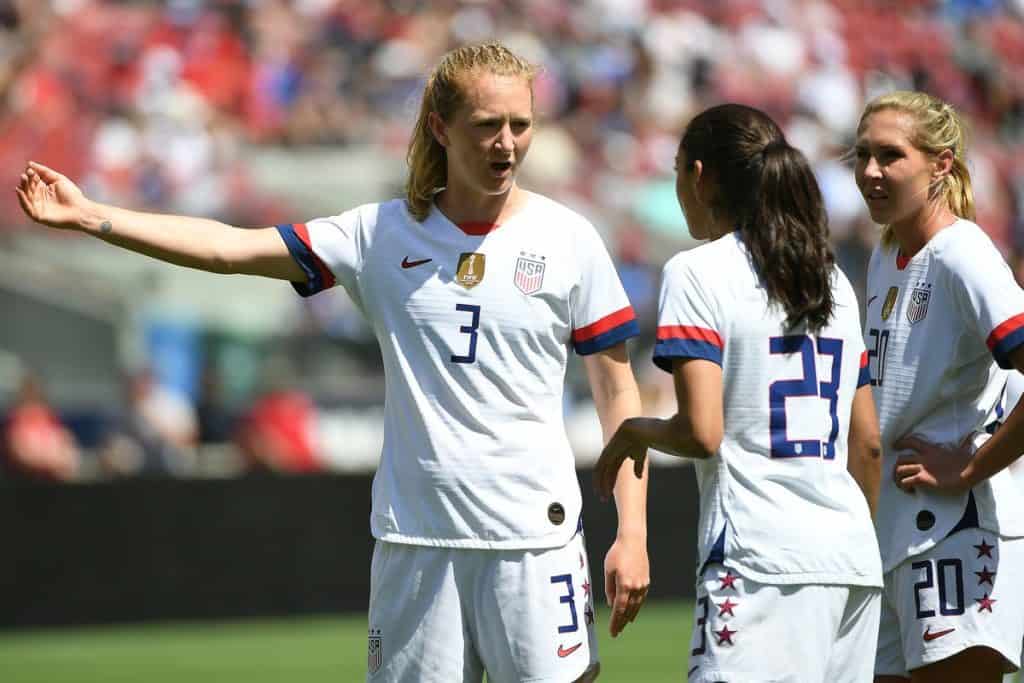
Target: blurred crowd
{"x": 149, "y": 104}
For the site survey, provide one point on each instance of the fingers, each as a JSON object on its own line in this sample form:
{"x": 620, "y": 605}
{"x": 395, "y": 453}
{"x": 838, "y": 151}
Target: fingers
{"x": 626, "y": 606}
{"x": 638, "y": 464}
{"x": 906, "y": 475}
{"x": 45, "y": 172}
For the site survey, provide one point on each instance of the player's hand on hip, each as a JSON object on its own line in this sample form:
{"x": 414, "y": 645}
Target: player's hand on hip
{"x": 48, "y": 197}
{"x": 931, "y": 465}
{"x": 627, "y": 576}
{"x": 622, "y": 445}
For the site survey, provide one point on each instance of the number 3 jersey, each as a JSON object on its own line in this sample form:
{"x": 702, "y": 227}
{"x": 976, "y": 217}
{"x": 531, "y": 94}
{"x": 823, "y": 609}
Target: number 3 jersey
{"x": 474, "y": 325}
{"x": 940, "y": 326}
{"x": 776, "y": 500}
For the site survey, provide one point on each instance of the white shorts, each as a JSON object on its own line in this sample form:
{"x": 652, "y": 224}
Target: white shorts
{"x": 749, "y": 632}
{"x": 964, "y": 592}
{"x": 447, "y": 615}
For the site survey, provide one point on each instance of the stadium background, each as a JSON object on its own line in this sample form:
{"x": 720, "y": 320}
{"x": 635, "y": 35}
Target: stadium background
{"x": 220, "y": 432}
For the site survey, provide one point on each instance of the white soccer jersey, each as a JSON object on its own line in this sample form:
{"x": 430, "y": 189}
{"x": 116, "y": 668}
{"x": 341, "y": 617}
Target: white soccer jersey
{"x": 776, "y": 501}
{"x": 935, "y": 323}
{"x": 474, "y": 325}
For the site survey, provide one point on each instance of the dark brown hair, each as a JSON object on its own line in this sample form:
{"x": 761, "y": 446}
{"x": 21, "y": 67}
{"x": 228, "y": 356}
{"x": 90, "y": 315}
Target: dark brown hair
{"x": 767, "y": 189}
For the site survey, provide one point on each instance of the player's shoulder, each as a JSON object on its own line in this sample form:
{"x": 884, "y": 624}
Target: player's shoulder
{"x": 964, "y": 247}
{"x": 550, "y": 214}
{"x": 707, "y": 261}
{"x": 362, "y": 216}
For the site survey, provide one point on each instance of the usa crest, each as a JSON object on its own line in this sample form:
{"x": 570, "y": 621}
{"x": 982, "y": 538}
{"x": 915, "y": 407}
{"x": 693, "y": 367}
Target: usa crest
{"x": 470, "y": 271}
{"x": 529, "y": 275}
{"x": 890, "y": 301}
{"x": 918, "y": 309}
{"x": 374, "y": 652}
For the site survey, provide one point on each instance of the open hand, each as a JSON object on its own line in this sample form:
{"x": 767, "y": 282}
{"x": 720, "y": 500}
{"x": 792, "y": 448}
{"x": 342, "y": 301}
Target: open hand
{"x": 932, "y": 465}
{"x": 48, "y": 197}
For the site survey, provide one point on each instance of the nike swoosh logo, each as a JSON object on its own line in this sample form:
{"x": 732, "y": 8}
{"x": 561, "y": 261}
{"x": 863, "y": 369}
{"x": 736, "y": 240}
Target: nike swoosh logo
{"x": 406, "y": 263}
{"x": 872, "y": 299}
{"x": 563, "y": 652}
{"x": 929, "y": 636}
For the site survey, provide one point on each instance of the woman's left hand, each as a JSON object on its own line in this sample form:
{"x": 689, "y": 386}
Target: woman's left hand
{"x": 932, "y": 465}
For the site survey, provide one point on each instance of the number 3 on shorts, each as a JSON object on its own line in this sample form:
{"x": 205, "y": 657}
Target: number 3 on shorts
{"x": 567, "y": 597}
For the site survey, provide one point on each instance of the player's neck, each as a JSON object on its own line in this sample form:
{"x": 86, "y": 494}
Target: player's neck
{"x": 469, "y": 207}
{"x": 915, "y": 231}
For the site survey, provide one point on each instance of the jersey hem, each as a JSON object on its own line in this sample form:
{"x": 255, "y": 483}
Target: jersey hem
{"x": 541, "y": 543}
{"x": 817, "y": 578}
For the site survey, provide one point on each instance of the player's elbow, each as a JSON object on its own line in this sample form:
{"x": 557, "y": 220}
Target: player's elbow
{"x": 868, "y": 442}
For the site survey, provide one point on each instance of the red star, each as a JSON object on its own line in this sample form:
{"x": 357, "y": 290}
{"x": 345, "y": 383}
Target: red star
{"x": 985, "y": 576}
{"x": 586, "y": 588}
{"x": 985, "y": 603}
{"x": 984, "y": 550}
{"x": 724, "y": 636}
{"x": 726, "y": 607}
{"x": 728, "y": 580}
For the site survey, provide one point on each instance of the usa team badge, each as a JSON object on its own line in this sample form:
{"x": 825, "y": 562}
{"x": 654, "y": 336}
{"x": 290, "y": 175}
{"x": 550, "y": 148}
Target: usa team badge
{"x": 529, "y": 275}
{"x": 374, "y": 656}
{"x": 918, "y": 309}
{"x": 470, "y": 271}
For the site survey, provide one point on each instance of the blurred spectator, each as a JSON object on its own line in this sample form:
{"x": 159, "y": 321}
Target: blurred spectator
{"x": 155, "y": 435}
{"x": 278, "y": 432}
{"x": 214, "y": 419}
{"x": 36, "y": 445}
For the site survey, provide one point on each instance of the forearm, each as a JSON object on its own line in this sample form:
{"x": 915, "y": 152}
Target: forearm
{"x": 674, "y": 435}
{"x": 1005, "y": 446}
{"x": 185, "y": 241}
{"x": 630, "y": 492}
{"x": 866, "y": 470}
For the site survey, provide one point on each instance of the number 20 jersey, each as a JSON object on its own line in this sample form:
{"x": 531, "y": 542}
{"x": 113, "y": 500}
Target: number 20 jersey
{"x": 474, "y": 326}
{"x": 777, "y": 502}
{"x": 940, "y": 328}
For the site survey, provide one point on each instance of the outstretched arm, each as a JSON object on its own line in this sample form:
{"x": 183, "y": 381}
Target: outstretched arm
{"x": 626, "y": 566}
{"x": 50, "y": 198}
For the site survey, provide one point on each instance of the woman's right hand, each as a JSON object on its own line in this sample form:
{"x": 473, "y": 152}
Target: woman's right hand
{"x": 50, "y": 198}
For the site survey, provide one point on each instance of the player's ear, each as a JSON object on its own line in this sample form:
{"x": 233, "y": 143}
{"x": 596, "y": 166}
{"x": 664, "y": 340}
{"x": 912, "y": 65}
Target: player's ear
{"x": 702, "y": 188}
{"x": 942, "y": 165}
{"x": 438, "y": 128}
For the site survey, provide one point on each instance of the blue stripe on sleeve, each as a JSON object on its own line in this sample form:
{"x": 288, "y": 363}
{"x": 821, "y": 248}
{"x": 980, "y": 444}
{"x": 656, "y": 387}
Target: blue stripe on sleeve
{"x": 608, "y": 339}
{"x": 864, "y": 377}
{"x": 1002, "y": 350}
{"x": 305, "y": 258}
{"x": 665, "y": 350}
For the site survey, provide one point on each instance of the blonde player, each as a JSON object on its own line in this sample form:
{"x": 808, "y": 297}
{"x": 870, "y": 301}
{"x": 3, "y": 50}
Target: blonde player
{"x": 762, "y": 333}
{"x": 476, "y": 290}
{"x": 944, "y": 320}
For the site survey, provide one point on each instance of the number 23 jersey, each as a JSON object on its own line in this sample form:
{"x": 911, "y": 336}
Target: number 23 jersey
{"x": 777, "y": 501}
{"x": 474, "y": 325}
{"x": 940, "y": 328}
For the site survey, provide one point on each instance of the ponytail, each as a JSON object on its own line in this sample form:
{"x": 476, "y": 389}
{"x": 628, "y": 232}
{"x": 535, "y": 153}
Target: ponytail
{"x": 766, "y": 188}
{"x": 786, "y": 233}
